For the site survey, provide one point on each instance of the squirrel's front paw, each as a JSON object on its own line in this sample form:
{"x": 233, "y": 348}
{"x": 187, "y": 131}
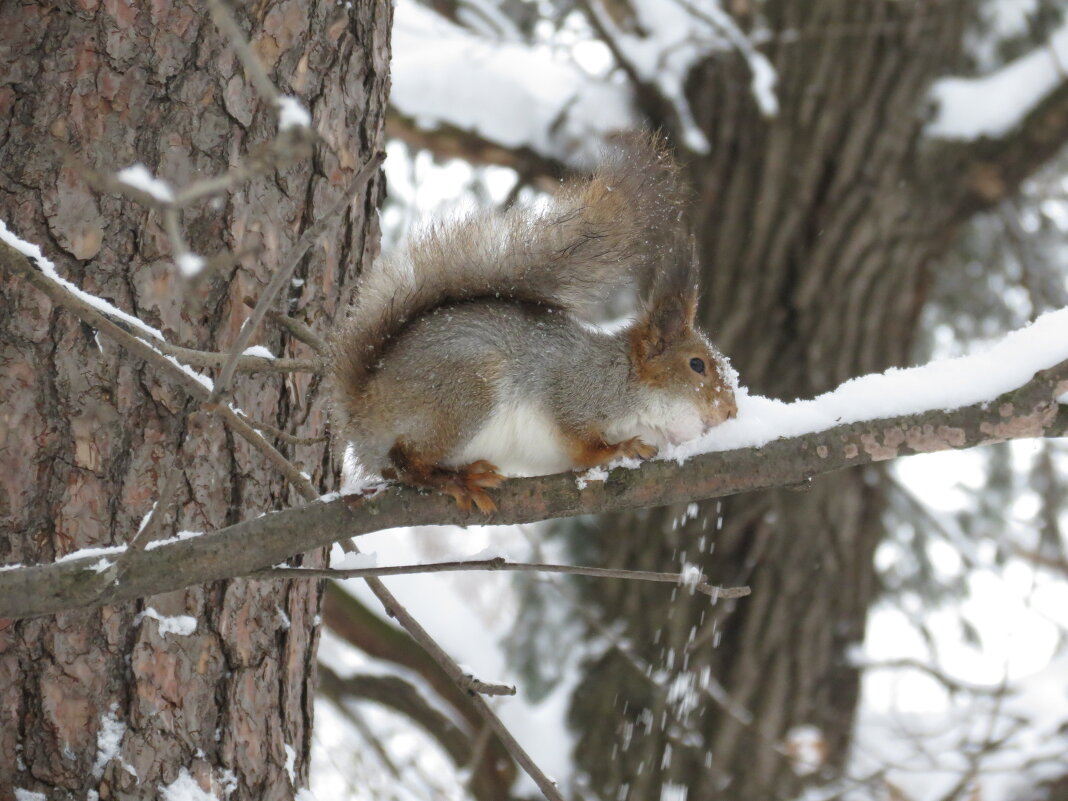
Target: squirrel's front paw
{"x": 637, "y": 448}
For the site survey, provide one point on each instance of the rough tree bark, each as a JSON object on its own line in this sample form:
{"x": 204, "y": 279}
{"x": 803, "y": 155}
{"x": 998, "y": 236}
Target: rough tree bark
{"x": 87, "y": 431}
{"x": 818, "y": 230}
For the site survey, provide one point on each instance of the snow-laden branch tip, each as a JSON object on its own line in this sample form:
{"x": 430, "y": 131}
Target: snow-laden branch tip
{"x": 943, "y": 384}
{"x": 993, "y": 105}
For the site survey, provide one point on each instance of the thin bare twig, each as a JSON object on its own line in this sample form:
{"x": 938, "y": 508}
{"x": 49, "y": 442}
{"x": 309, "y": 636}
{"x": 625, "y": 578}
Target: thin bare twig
{"x": 475, "y": 685}
{"x": 285, "y": 272}
{"x": 697, "y": 581}
{"x": 299, "y": 330}
{"x": 289, "y": 439}
{"x": 396, "y": 610}
{"x": 950, "y": 683}
{"x": 228, "y": 26}
{"x": 150, "y": 528}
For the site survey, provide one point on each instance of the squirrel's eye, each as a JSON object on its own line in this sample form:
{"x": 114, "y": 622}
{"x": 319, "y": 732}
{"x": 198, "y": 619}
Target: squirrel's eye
{"x": 697, "y": 365}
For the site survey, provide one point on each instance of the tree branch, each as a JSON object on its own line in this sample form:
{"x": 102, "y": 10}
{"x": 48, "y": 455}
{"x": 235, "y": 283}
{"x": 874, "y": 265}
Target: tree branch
{"x": 986, "y": 170}
{"x": 448, "y": 141}
{"x": 696, "y": 580}
{"x": 244, "y": 548}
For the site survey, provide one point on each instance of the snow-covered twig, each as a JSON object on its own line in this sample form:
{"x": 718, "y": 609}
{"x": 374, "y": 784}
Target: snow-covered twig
{"x": 195, "y": 384}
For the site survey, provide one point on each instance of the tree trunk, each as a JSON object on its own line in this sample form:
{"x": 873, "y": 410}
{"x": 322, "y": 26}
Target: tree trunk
{"x": 818, "y": 228}
{"x": 110, "y": 701}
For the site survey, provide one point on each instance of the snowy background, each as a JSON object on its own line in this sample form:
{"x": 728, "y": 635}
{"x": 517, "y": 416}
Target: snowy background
{"x": 965, "y": 684}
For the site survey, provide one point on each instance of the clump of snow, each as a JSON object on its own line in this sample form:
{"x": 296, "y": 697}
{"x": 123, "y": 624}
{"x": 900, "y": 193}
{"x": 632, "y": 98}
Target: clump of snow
{"x": 15, "y": 566}
{"x": 189, "y": 264}
{"x": 29, "y": 795}
{"x": 690, "y": 576}
{"x": 806, "y": 748}
{"x": 488, "y": 553}
{"x": 185, "y": 788}
{"x": 228, "y": 781}
{"x": 291, "y": 764}
{"x": 109, "y": 741}
{"x": 181, "y": 535}
{"x": 200, "y": 378}
{"x": 593, "y": 474}
{"x": 86, "y": 553}
{"x": 340, "y": 560}
{"x": 138, "y": 177}
{"x": 183, "y": 625}
{"x": 943, "y": 384}
{"x": 100, "y": 566}
{"x": 291, "y": 114}
{"x": 994, "y": 104}
{"x": 258, "y": 350}
{"x": 147, "y": 517}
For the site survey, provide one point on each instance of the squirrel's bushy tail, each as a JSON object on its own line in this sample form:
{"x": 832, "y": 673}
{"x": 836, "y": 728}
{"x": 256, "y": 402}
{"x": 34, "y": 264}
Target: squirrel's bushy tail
{"x": 599, "y": 233}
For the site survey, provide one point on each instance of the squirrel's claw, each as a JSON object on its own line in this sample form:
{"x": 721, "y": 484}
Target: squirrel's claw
{"x": 483, "y": 474}
{"x": 637, "y": 448}
{"x": 468, "y": 486}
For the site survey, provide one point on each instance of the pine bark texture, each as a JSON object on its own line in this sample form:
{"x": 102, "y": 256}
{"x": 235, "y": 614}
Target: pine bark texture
{"x": 87, "y": 432}
{"x": 818, "y": 229}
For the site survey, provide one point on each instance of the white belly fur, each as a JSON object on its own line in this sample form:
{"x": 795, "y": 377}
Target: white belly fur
{"x": 520, "y": 439}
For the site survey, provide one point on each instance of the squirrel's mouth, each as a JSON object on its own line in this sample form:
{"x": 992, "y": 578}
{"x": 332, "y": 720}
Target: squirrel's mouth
{"x": 724, "y": 409}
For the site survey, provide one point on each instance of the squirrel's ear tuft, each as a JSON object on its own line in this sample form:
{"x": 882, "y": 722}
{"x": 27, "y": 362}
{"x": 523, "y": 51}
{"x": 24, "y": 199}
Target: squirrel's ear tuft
{"x": 670, "y": 309}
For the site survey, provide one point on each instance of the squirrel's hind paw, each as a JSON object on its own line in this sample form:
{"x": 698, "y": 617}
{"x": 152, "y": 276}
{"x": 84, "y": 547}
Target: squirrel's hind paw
{"x": 470, "y": 483}
{"x": 466, "y": 485}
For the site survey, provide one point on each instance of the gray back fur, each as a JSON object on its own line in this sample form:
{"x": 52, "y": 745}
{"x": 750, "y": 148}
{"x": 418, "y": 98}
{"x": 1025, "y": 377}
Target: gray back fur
{"x": 608, "y": 230}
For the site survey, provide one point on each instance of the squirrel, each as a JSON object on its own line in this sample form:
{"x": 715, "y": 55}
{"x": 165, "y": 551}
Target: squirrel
{"x": 470, "y": 353}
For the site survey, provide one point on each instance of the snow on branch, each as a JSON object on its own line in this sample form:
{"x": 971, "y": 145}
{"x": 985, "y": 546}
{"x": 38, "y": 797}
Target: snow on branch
{"x": 993, "y": 105}
{"x": 512, "y": 94}
{"x": 808, "y": 450}
{"x": 676, "y": 36}
{"x": 532, "y": 98}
